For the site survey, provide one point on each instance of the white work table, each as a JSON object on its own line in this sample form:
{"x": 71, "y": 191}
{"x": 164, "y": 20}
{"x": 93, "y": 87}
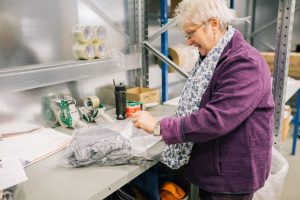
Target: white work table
{"x": 48, "y": 180}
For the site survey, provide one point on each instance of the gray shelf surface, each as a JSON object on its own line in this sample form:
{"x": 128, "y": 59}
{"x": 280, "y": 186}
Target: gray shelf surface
{"x": 35, "y": 76}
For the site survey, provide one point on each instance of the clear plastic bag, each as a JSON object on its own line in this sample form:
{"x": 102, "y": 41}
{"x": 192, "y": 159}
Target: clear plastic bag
{"x": 97, "y": 145}
{"x": 273, "y": 186}
{"x": 140, "y": 140}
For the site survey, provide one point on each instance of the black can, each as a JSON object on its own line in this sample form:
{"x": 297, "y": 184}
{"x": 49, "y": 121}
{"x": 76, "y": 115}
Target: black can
{"x": 120, "y": 100}
{"x": 297, "y": 48}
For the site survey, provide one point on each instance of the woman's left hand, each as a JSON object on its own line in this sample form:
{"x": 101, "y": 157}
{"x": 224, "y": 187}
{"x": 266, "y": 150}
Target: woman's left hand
{"x": 143, "y": 120}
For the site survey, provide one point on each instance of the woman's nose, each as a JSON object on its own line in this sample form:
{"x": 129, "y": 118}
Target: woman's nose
{"x": 189, "y": 42}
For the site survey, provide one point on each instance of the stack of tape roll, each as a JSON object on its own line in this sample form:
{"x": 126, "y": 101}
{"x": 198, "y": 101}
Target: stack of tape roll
{"x": 100, "y": 33}
{"x": 83, "y": 34}
{"x": 100, "y": 50}
{"x": 99, "y": 42}
{"x": 84, "y": 51}
{"x": 89, "y": 42}
{"x": 184, "y": 56}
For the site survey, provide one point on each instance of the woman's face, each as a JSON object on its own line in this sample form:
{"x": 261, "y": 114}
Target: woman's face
{"x": 200, "y": 36}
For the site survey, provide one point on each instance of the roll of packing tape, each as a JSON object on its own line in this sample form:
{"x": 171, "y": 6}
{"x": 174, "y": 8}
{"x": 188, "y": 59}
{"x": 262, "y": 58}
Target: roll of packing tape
{"x": 84, "y": 51}
{"x": 91, "y": 102}
{"x": 184, "y": 56}
{"x": 83, "y": 33}
{"x": 100, "y": 50}
{"x": 175, "y": 56}
{"x": 100, "y": 33}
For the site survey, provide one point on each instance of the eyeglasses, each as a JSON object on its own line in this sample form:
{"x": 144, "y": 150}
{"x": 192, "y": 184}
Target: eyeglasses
{"x": 189, "y": 34}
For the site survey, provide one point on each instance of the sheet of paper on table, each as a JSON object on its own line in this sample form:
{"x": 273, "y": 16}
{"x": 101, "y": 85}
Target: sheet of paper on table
{"x": 12, "y": 128}
{"x": 34, "y": 146}
{"x": 11, "y": 172}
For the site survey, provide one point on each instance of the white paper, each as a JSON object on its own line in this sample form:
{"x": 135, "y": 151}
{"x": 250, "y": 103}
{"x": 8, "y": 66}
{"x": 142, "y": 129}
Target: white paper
{"x": 11, "y": 172}
{"x": 35, "y": 146}
{"x": 15, "y": 127}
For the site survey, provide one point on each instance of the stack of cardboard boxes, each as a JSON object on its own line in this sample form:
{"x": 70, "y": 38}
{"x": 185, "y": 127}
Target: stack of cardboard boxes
{"x": 294, "y": 63}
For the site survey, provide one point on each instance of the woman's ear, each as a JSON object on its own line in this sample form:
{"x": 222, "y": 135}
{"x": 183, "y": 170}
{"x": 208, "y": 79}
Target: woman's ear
{"x": 214, "y": 22}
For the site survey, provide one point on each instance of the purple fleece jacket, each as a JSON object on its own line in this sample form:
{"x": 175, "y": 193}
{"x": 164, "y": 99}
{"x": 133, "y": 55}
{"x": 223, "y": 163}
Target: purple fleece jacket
{"x": 232, "y": 131}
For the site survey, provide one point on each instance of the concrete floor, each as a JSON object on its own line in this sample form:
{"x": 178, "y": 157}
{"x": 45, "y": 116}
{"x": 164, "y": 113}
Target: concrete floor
{"x": 291, "y": 188}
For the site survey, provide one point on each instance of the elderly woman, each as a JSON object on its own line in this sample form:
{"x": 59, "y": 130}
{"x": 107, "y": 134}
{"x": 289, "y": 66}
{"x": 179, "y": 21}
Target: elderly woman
{"x": 223, "y": 125}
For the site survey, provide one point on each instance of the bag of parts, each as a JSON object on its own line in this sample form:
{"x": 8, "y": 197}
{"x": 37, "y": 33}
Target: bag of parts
{"x": 97, "y": 145}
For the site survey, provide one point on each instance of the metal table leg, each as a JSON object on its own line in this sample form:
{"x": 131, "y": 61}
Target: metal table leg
{"x": 194, "y": 190}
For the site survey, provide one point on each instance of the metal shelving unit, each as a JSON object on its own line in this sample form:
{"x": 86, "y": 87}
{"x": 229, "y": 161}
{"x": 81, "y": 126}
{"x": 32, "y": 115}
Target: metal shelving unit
{"x": 163, "y": 55}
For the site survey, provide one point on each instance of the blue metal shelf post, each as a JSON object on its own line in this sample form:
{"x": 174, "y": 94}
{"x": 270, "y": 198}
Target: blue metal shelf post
{"x": 232, "y": 4}
{"x": 296, "y": 122}
{"x": 164, "y": 49}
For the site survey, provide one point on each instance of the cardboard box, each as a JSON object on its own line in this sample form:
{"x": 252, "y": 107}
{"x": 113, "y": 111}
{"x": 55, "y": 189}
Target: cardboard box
{"x": 294, "y": 63}
{"x": 145, "y": 95}
{"x": 285, "y": 123}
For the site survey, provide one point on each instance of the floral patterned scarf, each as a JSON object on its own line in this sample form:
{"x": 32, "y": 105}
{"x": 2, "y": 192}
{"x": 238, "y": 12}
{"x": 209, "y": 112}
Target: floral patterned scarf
{"x": 177, "y": 155}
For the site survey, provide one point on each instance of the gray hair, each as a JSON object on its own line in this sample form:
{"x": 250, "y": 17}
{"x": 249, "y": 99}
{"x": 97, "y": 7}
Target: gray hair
{"x": 199, "y": 11}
